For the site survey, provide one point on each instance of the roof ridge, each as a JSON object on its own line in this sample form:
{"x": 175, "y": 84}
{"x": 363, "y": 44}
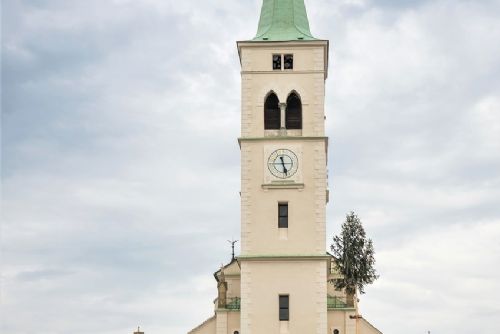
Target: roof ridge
{"x": 369, "y": 323}
{"x": 200, "y": 325}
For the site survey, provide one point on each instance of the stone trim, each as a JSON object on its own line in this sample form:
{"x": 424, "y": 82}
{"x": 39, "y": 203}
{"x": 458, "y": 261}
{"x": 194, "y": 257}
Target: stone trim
{"x": 297, "y": 138}
{"x": 246, "y": 299}
{"x": 284, "y": 72}
{"x": 283, "y": 186}
{"x": 310, "y": 257}
{"x": 246, "y": 200}
{"x": 342, "y": 309}
{"x": 320, "y": 194}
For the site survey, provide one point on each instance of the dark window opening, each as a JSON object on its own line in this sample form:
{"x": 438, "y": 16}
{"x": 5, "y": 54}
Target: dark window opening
{"x": 293, "y": 112}
{"x": 272, "y": 113}
{"x": 288, "y": 61}
{"x": 283, "y": 215}
{"x": 236, "y": 332}
{"x": 284, "y": 308}
{"x": 336, "y": 331}
{"x": 276, "y": 62}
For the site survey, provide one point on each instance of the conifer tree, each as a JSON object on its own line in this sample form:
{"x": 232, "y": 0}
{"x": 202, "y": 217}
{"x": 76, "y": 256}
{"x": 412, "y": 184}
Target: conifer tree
{"x": 354, "y": 256}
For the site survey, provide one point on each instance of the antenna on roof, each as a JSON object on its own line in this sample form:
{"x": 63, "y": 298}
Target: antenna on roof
{"x": 232, "y": 242}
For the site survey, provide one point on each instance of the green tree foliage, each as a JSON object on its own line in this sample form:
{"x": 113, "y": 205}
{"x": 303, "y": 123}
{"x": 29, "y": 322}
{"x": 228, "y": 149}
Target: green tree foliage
{"x": 354, "y": 256}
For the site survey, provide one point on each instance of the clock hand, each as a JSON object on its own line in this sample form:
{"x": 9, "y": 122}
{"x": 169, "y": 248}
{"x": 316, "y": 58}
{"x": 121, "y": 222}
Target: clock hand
{"x": 283, "y": 164}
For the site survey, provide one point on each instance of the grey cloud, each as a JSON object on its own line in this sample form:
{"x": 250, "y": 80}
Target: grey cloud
{"x": 121, "y": 166}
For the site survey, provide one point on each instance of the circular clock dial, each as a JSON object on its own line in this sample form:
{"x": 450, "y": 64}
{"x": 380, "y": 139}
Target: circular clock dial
{"x": 283, "y": 163}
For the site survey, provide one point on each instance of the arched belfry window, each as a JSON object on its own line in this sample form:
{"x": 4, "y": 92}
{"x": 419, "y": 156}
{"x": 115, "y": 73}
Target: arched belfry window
{"x": 293, "y": 112}
{"x": 272, "y": 114}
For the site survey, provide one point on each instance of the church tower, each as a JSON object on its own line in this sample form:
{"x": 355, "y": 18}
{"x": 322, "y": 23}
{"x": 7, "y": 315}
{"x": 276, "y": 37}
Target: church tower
{"x": 279, "y": 283}
{"x": 283, "y": 175}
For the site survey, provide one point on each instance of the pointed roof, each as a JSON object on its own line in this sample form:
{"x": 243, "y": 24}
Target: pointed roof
{"x": 283, "y": 20}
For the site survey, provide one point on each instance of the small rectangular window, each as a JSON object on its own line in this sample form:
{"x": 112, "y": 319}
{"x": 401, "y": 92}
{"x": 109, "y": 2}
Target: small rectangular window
{"x": 284, "y": 308}
{"x": 288, "y": 60}
{"x": 283, "y": 215}
{"x": 276, "y": 62}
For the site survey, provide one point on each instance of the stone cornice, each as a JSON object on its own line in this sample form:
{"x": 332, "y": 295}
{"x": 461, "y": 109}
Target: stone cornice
{"x": 279, "y": 138}
{"x": 270, "y": 258}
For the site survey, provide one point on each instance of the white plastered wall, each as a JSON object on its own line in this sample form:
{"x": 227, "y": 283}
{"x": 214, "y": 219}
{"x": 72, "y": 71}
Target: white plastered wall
{"x": 303, "y": 281}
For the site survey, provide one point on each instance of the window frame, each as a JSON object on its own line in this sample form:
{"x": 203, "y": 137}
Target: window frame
{"x": 283, "y": 223}
{"x": 293, "y": 111}
{"x": 280, "y": 57}
{"x": 272, "y": 113}
{"x": 280, "y": 61}
{"x": 285, "y": 55}
{"x": 284, "y": 310}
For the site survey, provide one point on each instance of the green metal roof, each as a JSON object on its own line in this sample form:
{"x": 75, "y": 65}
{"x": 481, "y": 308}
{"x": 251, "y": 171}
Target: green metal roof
{"x": 283, "y": 20}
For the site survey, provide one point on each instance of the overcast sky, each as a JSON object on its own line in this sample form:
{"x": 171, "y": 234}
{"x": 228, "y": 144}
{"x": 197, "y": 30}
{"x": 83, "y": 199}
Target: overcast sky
{"x": 120, "y": 163}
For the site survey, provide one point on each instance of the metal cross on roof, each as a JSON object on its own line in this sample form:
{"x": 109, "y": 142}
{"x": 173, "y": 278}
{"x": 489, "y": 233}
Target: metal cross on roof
{"x": 232, "y": 242}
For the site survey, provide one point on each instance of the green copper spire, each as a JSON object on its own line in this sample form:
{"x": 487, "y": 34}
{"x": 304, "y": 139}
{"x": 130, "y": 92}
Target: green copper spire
{"x": 283, "y": 20}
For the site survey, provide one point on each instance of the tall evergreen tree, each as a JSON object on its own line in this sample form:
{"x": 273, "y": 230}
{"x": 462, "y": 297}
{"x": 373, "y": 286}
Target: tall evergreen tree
{"x": 354, "y": 256}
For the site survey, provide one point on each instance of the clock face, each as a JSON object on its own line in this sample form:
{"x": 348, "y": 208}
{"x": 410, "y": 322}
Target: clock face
{"x": 283, "y": 163}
